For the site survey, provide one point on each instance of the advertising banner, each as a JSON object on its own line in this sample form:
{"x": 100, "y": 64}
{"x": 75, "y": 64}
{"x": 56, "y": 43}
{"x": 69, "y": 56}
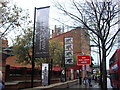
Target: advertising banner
{"x": 68, "y": 48}
{"x": 45, "y": 74}
{"x": 63, "y": 75}
{"x": 41, "y": 33}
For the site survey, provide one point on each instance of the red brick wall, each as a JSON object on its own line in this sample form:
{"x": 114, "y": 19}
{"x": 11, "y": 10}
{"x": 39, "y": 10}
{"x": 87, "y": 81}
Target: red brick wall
{"x": 81, "y": 44}
{"x": 11, "y": 60}
{"x": 3, "y": 43}
{"x": 80, "y": 41}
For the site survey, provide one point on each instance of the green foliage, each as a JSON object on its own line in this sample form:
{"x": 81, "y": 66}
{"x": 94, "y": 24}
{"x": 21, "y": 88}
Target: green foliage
{"x": 22, "y": 47}
{"x": 56, "y": 51}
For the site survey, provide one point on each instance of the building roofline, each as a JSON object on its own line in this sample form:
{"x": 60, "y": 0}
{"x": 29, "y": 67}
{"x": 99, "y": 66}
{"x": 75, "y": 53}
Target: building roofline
{"x": 65, "y": 33}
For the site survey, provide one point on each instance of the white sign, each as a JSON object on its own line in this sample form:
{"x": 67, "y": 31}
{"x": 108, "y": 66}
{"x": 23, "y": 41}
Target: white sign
{"x": 68, "y": 47}
{"x": 44, "y": 74}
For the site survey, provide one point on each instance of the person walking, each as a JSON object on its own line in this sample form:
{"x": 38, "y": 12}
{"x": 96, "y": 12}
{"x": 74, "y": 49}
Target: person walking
{"x": 80, "y": 80}
{"x": 84, "y": 80}
{"x": 89, "y": 80}
{"x": 1, "y": 82}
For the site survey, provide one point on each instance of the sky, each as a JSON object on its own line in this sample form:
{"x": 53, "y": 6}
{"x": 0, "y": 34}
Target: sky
{"x": 31, "y": 4}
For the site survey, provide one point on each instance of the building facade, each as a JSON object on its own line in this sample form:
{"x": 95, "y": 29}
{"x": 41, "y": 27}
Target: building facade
{"x": 3, "y": 55}
{"x": 81, "y": 45}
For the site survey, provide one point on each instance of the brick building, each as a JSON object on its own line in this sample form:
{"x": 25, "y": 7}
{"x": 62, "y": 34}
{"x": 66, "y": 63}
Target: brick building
{"x": 3, "y": 55}
{"x": 81, "y": 42}
{"x": 81, "y": 45}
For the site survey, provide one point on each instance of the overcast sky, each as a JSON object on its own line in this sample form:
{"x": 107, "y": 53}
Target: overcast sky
{"x": 31, "y": 4}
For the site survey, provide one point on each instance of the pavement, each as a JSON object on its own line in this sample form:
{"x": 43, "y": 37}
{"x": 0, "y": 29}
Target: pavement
{"x": 93, "y": 83}
{"x": 53, "y": 86}
{"x": 69, "y": 86}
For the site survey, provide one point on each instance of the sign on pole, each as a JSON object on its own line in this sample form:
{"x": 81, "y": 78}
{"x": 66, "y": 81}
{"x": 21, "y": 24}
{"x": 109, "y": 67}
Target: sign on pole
{"x": 41, "y": 33}
{"x": 45, "y": 74}
{"x": 84, "y": 60}
{"x": 68, "y": 48}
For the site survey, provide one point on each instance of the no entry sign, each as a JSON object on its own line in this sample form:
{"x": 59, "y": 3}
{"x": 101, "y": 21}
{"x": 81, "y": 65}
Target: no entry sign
{"x": 83, "y": 60}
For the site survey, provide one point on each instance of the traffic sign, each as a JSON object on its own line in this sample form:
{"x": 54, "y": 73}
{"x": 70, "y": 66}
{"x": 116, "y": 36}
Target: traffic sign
{"x": 83, "y": 60}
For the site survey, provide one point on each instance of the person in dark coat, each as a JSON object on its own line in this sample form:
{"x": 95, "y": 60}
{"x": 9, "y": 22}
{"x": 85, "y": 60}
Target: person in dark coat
{"x": 84, "y": 80}
{"x": 80, "y": 80}
{"x": 89, "y": 80}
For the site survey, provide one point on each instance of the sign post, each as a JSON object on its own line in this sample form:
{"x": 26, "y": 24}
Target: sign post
{"x": 45, "y": 71}
{"x": 40, "y": 36}
{"x": 84, "y": 60}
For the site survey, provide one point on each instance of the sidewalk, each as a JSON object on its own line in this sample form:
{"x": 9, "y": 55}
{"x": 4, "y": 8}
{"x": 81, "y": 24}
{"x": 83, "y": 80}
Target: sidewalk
{"x": 94, "y": 85}
{"x": 66, "y": 84}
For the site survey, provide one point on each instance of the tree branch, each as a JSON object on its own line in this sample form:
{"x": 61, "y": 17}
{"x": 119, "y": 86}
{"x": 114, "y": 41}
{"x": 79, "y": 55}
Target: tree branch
{"x": 112, "y": 39}
{"x": 6, "y": 30}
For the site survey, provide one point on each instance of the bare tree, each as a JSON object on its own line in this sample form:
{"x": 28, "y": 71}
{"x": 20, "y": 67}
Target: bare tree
{"x": 100, "y": 18}
{"x": 12, "y": 18}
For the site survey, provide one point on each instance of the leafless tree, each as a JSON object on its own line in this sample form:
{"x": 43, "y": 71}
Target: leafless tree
{"x": 12, "y": 18}
{"x": 100, "y": 18}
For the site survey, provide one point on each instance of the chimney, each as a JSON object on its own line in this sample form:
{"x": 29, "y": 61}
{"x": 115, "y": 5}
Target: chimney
{"x": 52, "y": 33}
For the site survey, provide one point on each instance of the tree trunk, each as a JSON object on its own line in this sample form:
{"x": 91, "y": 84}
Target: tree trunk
{"x": 100, "y": 82}
{"x": 104, "y": 72}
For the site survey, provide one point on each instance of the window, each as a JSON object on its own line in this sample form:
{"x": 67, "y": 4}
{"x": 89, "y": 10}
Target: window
{"x": 113, "y": 59}
{"x": 114, "y": 76}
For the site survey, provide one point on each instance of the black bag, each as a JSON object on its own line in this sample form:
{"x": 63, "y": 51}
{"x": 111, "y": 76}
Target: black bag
{"x": 90, "y": 85}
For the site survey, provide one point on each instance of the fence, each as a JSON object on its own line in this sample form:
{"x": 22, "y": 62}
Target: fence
{"x": 23, "y": 73}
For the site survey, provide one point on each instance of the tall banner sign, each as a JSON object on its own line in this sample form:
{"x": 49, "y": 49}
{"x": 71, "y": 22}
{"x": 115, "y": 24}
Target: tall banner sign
{"x": 41, "y": 33}
{"x": 68, "y": 48}
{"x": 45, "y": 74}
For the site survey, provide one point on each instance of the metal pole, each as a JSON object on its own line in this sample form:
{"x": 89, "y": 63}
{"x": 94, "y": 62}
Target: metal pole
{"x": 33, "y": 64}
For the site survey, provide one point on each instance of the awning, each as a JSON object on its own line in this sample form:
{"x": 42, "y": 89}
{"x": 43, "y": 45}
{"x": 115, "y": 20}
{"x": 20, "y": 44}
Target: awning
{"x": 75, "y": 67}
{"x": 56, "y": 68}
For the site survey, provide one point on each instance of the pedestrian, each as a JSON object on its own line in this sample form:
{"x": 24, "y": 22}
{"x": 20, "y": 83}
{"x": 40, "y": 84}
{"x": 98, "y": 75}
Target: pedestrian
{"x": 84, "y": 80}
{"x": 95, "y": 78}
{"x": 80, "y": 80}
{"x": 89, "y": 80}
{"x": 1, "y": 82}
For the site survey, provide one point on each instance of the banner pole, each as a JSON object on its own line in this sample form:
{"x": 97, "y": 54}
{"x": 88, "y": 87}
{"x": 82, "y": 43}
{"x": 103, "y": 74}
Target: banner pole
{"x": 33, "y": 64}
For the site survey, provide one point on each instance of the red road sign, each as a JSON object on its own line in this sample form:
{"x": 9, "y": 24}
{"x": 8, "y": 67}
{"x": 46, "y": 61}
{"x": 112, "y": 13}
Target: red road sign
{"x": 83, "y": 60}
